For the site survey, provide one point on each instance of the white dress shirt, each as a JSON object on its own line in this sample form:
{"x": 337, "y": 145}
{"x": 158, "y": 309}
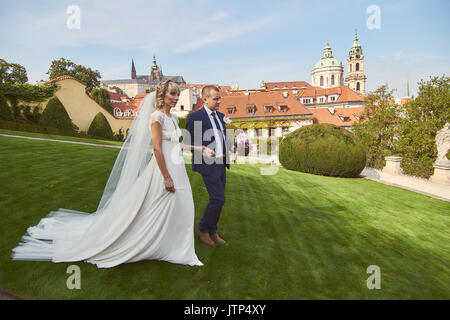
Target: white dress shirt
{"x": 218, "y": 151}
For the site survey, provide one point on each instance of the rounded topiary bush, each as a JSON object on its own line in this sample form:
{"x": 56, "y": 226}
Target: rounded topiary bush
{"x": 56, "y": 116}
{"x": 100, "y": 127}
{"x": 323, "y": 149}
{"x": 5, "y": 111}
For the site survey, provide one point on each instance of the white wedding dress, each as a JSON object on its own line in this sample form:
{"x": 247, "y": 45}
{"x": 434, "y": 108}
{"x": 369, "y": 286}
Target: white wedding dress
{"x": 145, "y": 222}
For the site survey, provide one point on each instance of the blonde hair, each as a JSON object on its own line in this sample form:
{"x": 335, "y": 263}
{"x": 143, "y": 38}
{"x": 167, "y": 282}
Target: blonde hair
{"x": 206, "y": 91}
{"x": 161, "y": 91}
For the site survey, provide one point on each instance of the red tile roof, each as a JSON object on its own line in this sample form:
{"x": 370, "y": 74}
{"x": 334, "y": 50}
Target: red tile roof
{"x": 118, "y": 96}
{"x": 259, "y": 100}
{"x": 344, "y": 92}
{"x": 342, "y": 117}
{"x": 65, "y": 77}
{"x": 287, "y": 84}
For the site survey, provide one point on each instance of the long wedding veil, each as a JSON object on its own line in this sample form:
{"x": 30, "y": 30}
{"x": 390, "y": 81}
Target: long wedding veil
{"x": 71, "y": 235}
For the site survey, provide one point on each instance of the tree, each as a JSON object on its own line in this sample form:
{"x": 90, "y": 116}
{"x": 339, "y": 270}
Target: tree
{"x": 376, "y": 127}
{"x": 421, "y": 119}
{"x": 5, "y": 111}
{"x": 100, "y": 127}
{"x": 102, "y": 97}
{"x": 56, "y": 116}
{"x": 25, "y": 92}
{"x": 12, "y": 72}
{"x": 63, "y": 67}
{"x": 117, "y": 90}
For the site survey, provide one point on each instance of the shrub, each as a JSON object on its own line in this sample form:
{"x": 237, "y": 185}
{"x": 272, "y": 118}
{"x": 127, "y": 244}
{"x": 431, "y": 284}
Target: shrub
{"x": 100, "y": 127}
{"x": 56, "y": 116}
{"x": 323, "y": 149}
{"x": 102, "y": 97}
{"x": 5, "y": 111}
{"x": 182, "y": 123}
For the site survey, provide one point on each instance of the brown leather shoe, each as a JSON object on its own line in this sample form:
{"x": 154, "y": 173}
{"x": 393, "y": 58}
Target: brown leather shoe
{"x": 205, "y": 238}
{"x": 218, "y": 239}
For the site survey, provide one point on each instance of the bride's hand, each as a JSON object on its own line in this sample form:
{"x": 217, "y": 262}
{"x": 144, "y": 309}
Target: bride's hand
{"x": 209, "y": 152}
{"x": 168, "y": 183}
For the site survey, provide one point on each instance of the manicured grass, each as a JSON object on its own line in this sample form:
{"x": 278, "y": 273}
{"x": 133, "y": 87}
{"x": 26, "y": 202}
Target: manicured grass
{"x": 291, "y": 235}
{"x": 67, "y": 138}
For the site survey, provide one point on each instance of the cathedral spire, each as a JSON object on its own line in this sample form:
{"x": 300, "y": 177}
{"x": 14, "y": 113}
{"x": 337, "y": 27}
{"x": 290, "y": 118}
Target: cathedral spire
{"x": 133, "y": 70}
{"x": 407, "y": 86}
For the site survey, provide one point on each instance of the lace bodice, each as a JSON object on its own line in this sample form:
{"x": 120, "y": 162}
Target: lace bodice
{"x": 170, "y": 129}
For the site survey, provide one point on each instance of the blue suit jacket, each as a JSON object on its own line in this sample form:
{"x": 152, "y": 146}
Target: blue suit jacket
{"x": 202, "y": 119}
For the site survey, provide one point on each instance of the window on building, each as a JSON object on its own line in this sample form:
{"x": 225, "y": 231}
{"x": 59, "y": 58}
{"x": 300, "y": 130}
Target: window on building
{"x": 182, "y": 107}
{"x": 231, "y": 110}
{"x": 358, "y": 87}
{"x": 332, "y": 98}
{"x": 332, "y": 79}
{"x": 307, "y": 101}
{"x": 271, "y": 132}
{"x": 251, "y": 109}
{"x": 322, "y": 99}
{"x": 357, "y": 67}
{"x": 269, "y": 109}
{"x": 282, "y": 108}
{"x": 321, "y": 81}
{"x": 259, "y": 132}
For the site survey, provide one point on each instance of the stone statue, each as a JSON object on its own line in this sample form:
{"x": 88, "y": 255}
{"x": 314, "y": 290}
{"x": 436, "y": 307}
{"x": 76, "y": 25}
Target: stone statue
{"x": 443, "y": 143}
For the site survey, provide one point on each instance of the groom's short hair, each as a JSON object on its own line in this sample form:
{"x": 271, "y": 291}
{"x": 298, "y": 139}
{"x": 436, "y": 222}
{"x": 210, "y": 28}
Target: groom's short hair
{"x": 207, "y": 89}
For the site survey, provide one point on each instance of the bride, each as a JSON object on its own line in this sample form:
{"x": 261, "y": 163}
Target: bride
{"x": 146, "y": 211}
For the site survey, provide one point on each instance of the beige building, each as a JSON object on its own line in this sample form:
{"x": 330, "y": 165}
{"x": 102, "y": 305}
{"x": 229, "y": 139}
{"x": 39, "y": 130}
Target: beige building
{"x": 140, "y": 84}
{"x": 81, "y": 107}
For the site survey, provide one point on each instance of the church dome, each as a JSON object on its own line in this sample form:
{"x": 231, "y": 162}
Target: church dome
{"x": 327, "y": 62}
{"x": 327, "y": 59}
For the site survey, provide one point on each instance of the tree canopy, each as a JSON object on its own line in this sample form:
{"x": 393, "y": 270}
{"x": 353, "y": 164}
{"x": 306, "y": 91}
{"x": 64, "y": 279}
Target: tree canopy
{"x": 63, "y": 67}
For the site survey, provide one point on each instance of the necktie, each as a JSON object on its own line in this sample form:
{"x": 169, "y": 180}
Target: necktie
{"x": 224, "y": 150}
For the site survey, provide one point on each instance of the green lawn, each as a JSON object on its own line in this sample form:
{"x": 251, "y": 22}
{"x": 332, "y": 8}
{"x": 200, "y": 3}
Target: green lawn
{"x": 291, "y": 235}
{"x": 67, "y": 138}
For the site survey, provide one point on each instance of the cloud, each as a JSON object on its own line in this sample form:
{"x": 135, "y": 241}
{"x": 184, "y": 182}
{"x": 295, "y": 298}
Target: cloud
{"x": 222, "y": 33}
{"x": 158, "y": 26}
{"x": 411, "y": 58}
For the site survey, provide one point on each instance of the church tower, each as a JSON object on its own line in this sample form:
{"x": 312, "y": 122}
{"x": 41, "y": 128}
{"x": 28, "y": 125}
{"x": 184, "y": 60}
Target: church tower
{"x": 155, "y": 72}
{"x": 133, "y": 70}
{"x": 356, "y": 80}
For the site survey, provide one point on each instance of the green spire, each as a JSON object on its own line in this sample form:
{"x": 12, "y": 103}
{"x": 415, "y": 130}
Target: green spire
{"x": 356, "y": 47}
{"x": 154, "y": 66}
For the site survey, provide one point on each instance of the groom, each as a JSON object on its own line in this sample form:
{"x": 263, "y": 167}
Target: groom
{"x": 207, "y": 128}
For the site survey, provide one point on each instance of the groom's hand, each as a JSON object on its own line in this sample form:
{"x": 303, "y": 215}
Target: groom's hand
{"x": 209, "y": 152}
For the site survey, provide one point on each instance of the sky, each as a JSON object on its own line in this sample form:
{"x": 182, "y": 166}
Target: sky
{"x": 229, "y": 42}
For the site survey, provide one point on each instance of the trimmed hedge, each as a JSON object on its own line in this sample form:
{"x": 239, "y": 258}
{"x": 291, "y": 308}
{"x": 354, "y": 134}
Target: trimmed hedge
{"x": 56, "y": 116}
{"x": 25, "y": 127}
{"x": 323, "y": 149}
{"x": 100, "y": 127}
{"x": 5, "y": 111}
